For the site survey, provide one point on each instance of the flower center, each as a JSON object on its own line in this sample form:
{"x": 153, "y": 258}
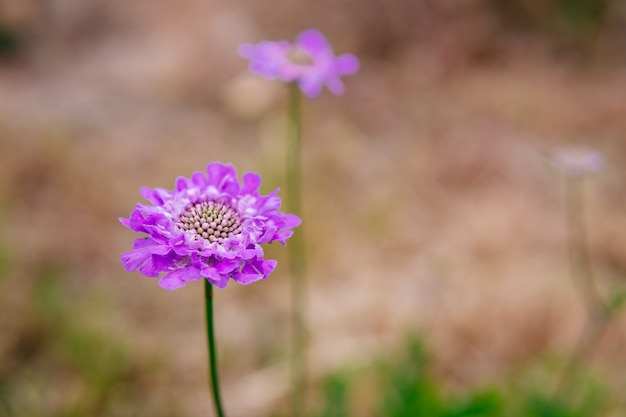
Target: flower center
{"x": 299, "y": 56}
{"x": 210, "y": 220}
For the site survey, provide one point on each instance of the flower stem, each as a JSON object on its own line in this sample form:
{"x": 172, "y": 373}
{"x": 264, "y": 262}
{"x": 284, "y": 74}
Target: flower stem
{"x": 296, "y": 251}
{"x": 215, "y": 388}
{"x": 580, "y": 264}
{"x": 580, "y": 269}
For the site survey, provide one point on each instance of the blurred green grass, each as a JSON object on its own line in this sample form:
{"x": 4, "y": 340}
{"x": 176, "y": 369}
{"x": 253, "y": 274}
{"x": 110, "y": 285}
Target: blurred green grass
{"x": 406, "y": 385}
{"x": 62, "y": 363}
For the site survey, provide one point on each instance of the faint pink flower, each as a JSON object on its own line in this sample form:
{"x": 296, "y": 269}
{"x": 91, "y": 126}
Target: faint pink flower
{"x": 309, "y": 61}
{"x": 578, "y": 161}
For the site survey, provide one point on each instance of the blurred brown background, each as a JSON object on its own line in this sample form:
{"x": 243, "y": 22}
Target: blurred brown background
{"x": 429, "y": 199}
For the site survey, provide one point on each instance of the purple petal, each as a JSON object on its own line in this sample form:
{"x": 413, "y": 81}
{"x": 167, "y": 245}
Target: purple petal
{"x": 269, "y": 234}
{"x": 227, "y": 266}
{"x": 291, "y": 221}
{"x": 143, "y": 249}
{"x": 346, "y": 64}
{"x": 222, "y": 176}
{"x": 135, "y": 221}
{"x": 266, "y": 267}
{"x": 227, "y": 252}
{"x": 214, "y": 277}
{"x": 154, "y": 247}
{"x": 268, "y": 203}
{"x": 311, "y": 86}
{"x": 169, "y": 261}
{"x": 222, "y": 282}
{"x": 216, "y": 171}
{"x": 247, "y": 50}
{"x": 134, "y": 259}
{"x": 335, "y": 85}
{"x": 182, "y": 183}
{"x": 313, "y": 41}
{"x": 283, "y": 236}
{"x": 247, "y": 275}
{"x": 149, "y": 269}
{"x": 266, "y": 58}
{"x": 156, "y": 225}
{"x": 199, "y": 179}
{"x": 251, "y": 183}
{"x": 154, "y": 195}
{"x": 179, "y": 277}
{"x": 180, "y": 245}
{"x": 248, "y": 254}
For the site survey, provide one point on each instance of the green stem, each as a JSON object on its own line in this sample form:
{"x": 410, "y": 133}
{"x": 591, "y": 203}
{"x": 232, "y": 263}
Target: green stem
{"x": 580, "y": 265}
{"x": 215, "y": 387}
{"x": 294, "y": 135}
{"x": 580, "y": 268}
{"x": 296, "y": 250}
{"x": 588, "y": 339}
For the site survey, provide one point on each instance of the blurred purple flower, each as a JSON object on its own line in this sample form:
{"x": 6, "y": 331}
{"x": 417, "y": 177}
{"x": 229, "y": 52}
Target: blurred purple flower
{"x": 210, "y": 226}
{"x": 578, "y": 161}
{"x": 309, "y": 60}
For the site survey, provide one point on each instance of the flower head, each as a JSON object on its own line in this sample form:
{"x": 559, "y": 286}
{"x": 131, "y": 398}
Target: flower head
{"x": 210, "y": 226}
{"x": 578, "y": 161}
{"x": 309, "y": 60}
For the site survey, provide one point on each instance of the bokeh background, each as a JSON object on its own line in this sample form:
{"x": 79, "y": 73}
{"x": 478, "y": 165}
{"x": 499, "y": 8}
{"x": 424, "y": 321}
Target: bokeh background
{"x": 430, "y": 203}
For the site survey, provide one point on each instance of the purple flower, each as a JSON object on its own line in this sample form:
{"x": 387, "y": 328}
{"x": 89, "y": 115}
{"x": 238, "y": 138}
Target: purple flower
{"x": 210, "y": 226}
{"x": 578, "y": 161}
{"x": 309, "y": 60}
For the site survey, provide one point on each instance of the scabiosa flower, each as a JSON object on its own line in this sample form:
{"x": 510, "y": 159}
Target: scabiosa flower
{"x": 309, "y": 61}
{"x": 210, "y": 226}
{"x": 578, "y": 161}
